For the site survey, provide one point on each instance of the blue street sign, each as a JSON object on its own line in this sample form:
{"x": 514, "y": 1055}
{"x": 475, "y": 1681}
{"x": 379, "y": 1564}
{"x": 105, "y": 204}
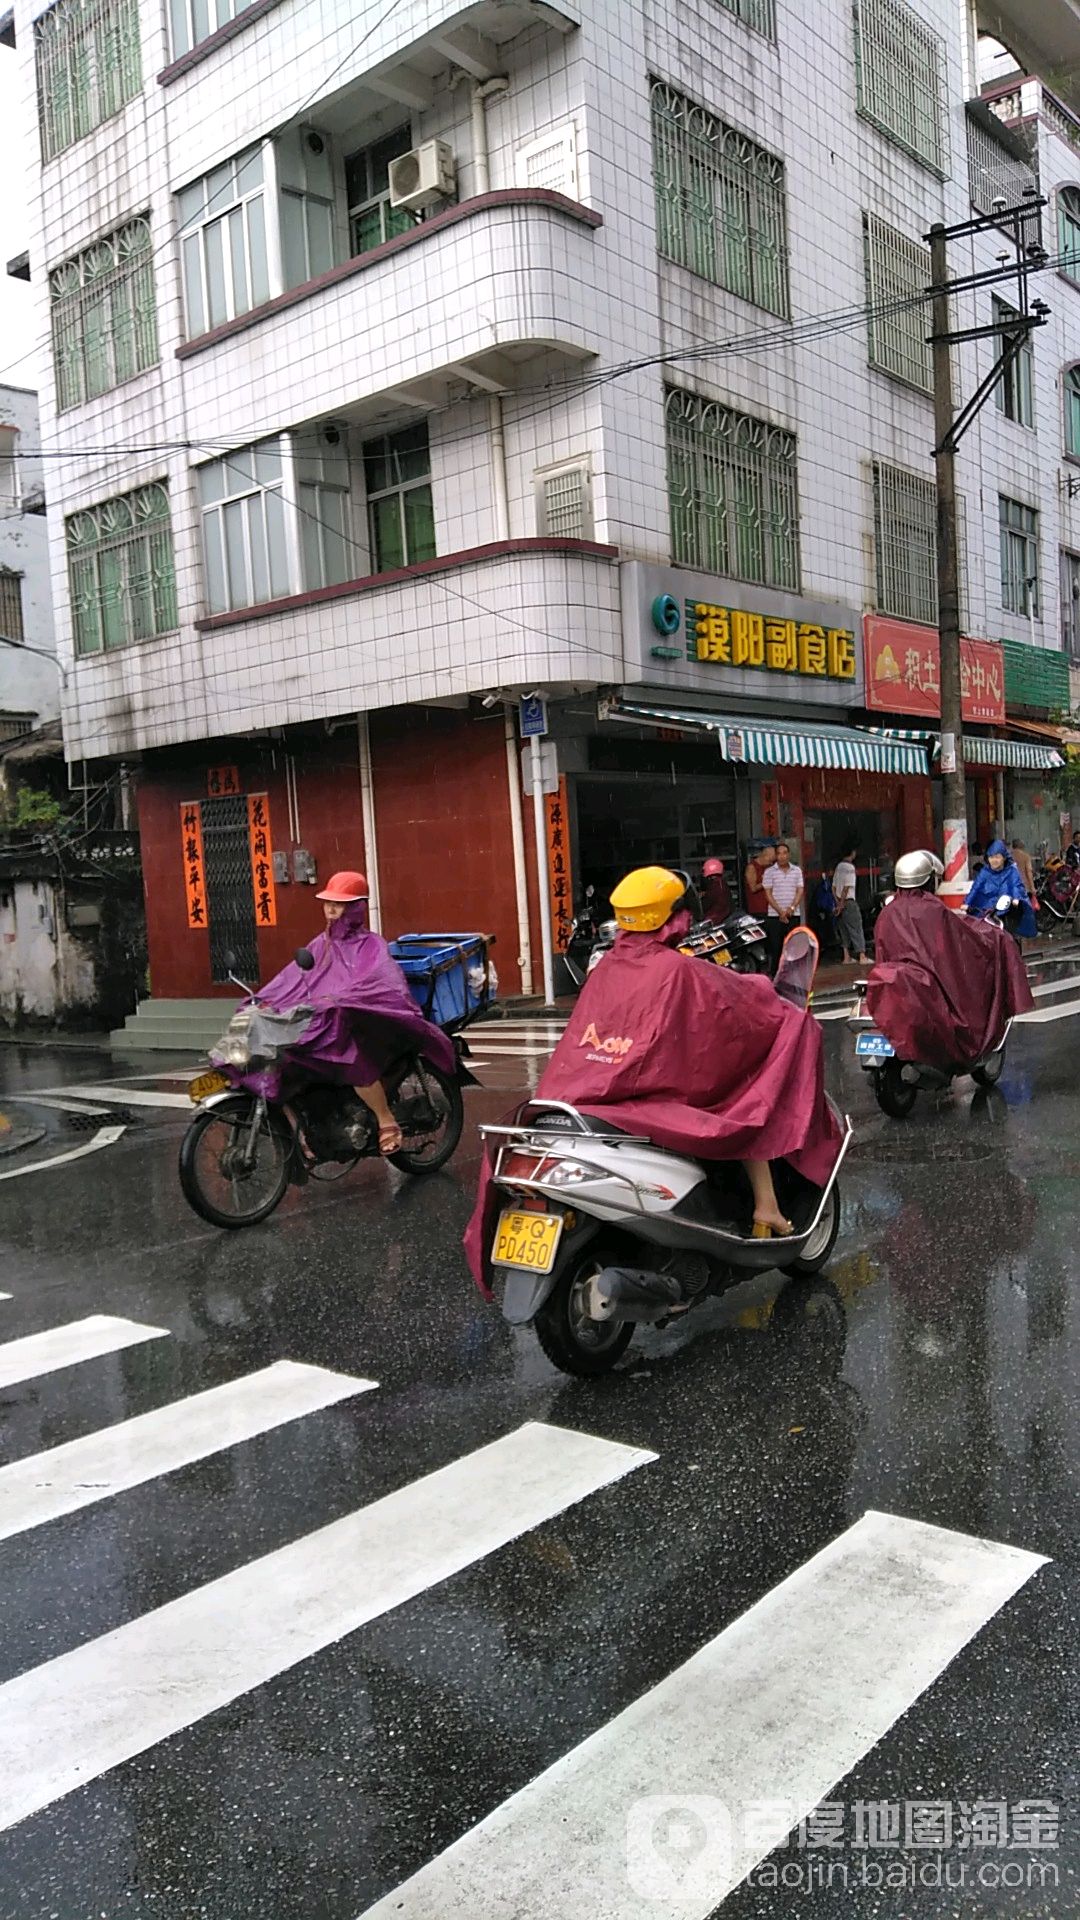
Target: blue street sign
{"x": 532, "y": 717}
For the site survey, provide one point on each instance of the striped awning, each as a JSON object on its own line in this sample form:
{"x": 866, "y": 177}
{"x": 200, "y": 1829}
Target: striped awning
{"x": 1023, "y": 755}
{"x": 782, "y": 744}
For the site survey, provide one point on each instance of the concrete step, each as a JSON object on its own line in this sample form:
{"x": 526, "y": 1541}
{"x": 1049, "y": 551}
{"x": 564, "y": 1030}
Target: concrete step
{"x": 173, "y": 1026}
{"x": 162, "y": 1040}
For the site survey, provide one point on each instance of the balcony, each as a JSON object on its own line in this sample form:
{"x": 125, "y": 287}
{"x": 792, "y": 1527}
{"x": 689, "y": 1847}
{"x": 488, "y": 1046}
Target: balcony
{"x": 1044, "y": 37}
{"x": 513, "y": 614}
{"x": 490, "y": 295}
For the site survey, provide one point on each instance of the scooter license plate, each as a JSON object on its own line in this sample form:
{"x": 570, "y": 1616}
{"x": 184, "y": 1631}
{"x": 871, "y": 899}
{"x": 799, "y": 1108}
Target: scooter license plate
{"x": 874, "y": 1046}
{"x": 528, "y": 1240}
{"x": 205, "y": 1084}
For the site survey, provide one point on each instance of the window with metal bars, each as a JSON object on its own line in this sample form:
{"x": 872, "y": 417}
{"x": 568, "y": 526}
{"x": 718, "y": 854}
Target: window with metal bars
{"x": 905, "y": 544}
{"x": 759, "y": 14}
{"x": 89, "y": 64}
{"x": 733, "y": 492}
{"x": 897, "y": 276}
{"x": 720, "y": 201}
{"x": 1070, "y": 603}
{"x": 1014, "y": 395}
{"x": 120, "y": 570}
{"x": 900, "y": 79}
{"x": 1019, "y": 530}
{"x": 562, "y": 501}
{"x": 104, "y": 319}
{"x": 1069, "y": 231}
{"x": 14, "y": 725}
{"x": 11, "y": 607}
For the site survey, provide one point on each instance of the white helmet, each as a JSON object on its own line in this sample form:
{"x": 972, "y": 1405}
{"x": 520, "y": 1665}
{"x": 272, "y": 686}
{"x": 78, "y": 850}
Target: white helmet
{"x": 915, "y": 871}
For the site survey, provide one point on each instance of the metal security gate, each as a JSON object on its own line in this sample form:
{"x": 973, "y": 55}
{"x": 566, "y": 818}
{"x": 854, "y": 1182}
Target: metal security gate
{"x": 229, "y": 898}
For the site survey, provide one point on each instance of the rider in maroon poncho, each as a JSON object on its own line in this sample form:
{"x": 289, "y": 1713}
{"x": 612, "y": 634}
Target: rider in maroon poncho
{"x": 702, "y": 1060}
{"x": 943, "y": 986}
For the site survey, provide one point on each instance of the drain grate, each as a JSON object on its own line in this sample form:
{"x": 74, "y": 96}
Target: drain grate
{"x": 905, "y": 1149}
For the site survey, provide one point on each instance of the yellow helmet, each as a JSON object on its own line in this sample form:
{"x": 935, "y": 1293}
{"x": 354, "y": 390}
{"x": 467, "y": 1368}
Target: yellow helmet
{"x": 646, "y": 898}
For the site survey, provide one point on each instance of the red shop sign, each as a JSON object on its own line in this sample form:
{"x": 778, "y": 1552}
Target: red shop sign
{"x": 903, "y": 672}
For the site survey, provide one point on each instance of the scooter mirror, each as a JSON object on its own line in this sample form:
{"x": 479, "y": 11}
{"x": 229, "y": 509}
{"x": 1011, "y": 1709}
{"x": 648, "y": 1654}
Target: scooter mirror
{"x": 229, "y": 958}
{"x": 305, "y": 960}
{"x": 1004, "y": 902}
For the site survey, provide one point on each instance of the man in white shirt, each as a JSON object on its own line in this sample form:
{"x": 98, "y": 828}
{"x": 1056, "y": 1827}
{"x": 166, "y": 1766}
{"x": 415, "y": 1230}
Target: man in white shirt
{"x": 784, "y": 889}
{"x": 848, "y": 918}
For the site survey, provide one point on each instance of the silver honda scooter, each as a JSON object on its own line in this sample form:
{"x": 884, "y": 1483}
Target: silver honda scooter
{"x": 601, "y": 1230}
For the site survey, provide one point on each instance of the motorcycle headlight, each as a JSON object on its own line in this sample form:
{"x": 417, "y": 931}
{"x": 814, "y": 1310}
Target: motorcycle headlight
{"x": 235, "y": 1052}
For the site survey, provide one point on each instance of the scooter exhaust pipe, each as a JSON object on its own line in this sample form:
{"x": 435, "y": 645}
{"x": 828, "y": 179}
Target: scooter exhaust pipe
{"x": 633, "y": 1293}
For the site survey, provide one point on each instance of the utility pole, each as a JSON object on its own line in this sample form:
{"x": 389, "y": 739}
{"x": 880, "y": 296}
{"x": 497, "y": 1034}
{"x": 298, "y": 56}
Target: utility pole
{"x": 1021, "y": 224}
{"x": 948, "y": 580}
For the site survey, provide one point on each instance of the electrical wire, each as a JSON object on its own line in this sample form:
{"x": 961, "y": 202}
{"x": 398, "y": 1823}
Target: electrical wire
{"x": 44, "y": 344}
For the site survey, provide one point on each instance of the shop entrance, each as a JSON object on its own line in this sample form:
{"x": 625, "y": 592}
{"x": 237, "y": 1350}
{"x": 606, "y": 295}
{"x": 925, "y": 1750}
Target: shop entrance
{"x": 626, "y": 821}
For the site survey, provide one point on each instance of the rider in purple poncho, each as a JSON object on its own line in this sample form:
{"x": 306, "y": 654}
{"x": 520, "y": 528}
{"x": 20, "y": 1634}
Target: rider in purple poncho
{"x": 363, "y": 1011}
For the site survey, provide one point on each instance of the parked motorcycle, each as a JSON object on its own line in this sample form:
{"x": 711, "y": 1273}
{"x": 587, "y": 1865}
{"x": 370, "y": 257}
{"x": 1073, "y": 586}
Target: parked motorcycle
{"x": 739, "y": 943}
{"x": 242, "y": 1151}
{"x": 603, "y": 1231}
{"x": 1057, "y": 895}
{"x": 897, "y": 1083}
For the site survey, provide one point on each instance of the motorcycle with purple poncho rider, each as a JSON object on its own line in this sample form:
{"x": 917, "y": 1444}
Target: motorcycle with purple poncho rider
{"x": 331, "y": 1062}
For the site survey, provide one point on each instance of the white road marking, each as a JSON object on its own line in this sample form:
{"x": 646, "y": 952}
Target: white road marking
{"x": 779, "y": 1707}
{"x": 104, "y": 1137}
{"x": 128, "y": 1096}
{"x": 5, "y": 1296}
{"x": 1043, "y": 1014}
{"x": 52, "y": 1101}
{"x": 66, "y": 1346}
{"x": 40, "y": 1488}
{"x": 67, "y": 1722}
{"x": 1057, "y": 986}
{"x": 511, "y": 1052}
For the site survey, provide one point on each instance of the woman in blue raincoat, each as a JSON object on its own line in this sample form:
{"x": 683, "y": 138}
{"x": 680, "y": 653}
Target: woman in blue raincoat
{"x": 1001, "y": 875}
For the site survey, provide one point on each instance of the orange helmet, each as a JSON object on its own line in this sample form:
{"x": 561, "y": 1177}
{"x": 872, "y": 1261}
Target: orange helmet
{"x": 344, "y": 888}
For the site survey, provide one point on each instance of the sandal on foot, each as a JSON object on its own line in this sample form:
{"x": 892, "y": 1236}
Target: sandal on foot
{"x": 765, "y": 1230}
{"x": 390, "y": 1138}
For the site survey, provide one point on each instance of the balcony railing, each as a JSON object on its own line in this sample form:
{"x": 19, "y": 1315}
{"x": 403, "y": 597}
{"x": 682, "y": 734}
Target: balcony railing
{"x": 1001, "y": 162}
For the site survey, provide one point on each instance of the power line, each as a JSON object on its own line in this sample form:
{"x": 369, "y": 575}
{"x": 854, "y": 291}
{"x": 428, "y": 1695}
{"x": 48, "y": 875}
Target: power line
{"x": 45, "y": 342}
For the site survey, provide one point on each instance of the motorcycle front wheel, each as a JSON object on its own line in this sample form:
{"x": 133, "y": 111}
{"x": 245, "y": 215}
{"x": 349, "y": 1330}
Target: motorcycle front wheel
{"x": 991, "y": 1070}
{"x": 435, "y": 1144}
{"x": 894, "y": 1096}
{"x": 229, "y": 1176}
{"x": 751, "y": 962}
{"x": 573, "y": 1340}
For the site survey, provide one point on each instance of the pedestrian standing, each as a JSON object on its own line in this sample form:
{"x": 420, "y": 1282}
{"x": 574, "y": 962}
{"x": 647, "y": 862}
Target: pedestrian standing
{"x": 754, "y": 880}
{"x": 784, "y": 889}
{"x": 848, "y": 918}
{"x": 1027, "y": 872}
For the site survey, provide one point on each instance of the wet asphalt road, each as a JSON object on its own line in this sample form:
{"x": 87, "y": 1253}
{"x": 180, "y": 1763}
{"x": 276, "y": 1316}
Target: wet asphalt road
{"x": 946, "y": 1392}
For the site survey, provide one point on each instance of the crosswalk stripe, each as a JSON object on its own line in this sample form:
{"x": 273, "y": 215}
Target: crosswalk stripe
{"x": 67, "y": 1722}
{"x": 66, "y": 1346}
{"x": 1041, "y": 1015}
{"x": 46, "y": 1485}
{"x": 779, "y": 1708}
{"x": 1056, "y": 986}
{"x": 129, "y": 1096}
{"x": 53, "y": 1102}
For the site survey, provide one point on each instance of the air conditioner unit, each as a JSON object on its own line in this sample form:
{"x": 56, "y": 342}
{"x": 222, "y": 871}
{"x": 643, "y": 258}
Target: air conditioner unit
{"x": 423, "y": 177}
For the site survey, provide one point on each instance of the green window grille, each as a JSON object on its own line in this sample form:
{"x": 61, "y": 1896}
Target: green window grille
{"x": 89, "y": 64}
{"x": 720, "y": 201}
{"x": 1035, "y": 677}
{"x": 104, "y": 320}
{"x": 897, "y": 277}
{"x": 759, "y": 14}
{"x": 733, "y": 491}
{"x": 900, "y": 79}
{"x": 1069, "y": 231}
{"x": 905, "y": 544}
{"x": 1014, "y": 395}
{"x": 1072, "y": 411}
{"x": 11, "y": 607}
{"x": 1019, "y": 529}
{"x": 401, "y": 520}
{"x": 120, "y": 570}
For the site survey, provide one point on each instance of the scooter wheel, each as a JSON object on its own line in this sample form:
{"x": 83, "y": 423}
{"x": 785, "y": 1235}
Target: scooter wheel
{"x": 816, "y": 1252}
{"x": 571, "y": 1338}
{"x": 894, "y": 1096}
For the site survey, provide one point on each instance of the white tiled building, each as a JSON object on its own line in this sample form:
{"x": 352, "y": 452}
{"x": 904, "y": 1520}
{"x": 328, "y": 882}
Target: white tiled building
{"x": 29, "y": 681}
{"x": 322, "y": 458}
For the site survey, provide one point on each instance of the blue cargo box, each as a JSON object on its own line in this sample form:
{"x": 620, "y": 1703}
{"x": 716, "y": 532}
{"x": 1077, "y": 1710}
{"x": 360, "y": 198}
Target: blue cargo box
{"x": 448, "y": 974}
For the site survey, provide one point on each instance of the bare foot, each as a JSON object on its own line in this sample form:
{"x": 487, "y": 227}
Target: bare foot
{"x": 390, "y": 1137}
